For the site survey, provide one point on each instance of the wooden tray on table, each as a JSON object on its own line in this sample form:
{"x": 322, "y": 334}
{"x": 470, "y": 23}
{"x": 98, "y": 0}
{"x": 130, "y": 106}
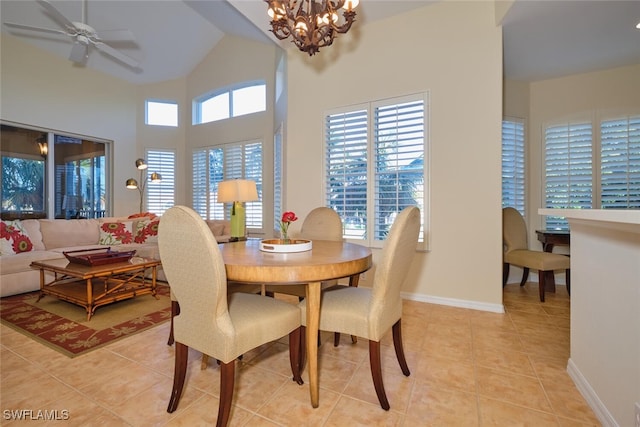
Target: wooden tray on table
{"x": 92, "y": 257}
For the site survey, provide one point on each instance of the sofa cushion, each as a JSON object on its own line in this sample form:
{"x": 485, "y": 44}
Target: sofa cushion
{"x": 60, "y": 233}
{"x": 14, "y": 239}
{"x": 32, "y": 226}
{"x": 116, "y": 233}
{"x": 22, "y": 261}
{"x": 146, "y": 231}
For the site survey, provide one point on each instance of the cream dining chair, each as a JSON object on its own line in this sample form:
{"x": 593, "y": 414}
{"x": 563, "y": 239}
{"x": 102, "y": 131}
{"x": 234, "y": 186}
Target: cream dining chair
{"x": 370, "y": 312}
{"x": 517, "y": 252}
{"x": 208, "y": 322}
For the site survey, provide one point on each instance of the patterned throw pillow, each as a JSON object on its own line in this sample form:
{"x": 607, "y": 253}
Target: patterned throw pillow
{"x": 14, "y": 238}
{"x": 116, "y": 233}
{"x": 147, "y": 231}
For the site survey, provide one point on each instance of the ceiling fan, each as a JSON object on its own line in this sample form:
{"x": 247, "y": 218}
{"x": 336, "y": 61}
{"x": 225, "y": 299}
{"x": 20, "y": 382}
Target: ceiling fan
{"x": 83, "y": 35}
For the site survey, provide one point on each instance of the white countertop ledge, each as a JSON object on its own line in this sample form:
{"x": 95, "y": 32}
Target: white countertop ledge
{"x": 621, "y": 216}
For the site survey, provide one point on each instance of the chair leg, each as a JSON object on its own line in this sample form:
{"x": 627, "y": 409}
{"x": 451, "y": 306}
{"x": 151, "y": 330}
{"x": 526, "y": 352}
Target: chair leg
{"x": 227, "y": 379}
{"x": 294, "y": 355}
{"x": 525, "y": 276}
{"x": 546, "y": 282}
{"x": 397, "y": 344}
{"x": 505, "y": 273}
{"x": 303, "y": 349}
{"x": 179, "y": 373}
{"x": 175, "y": 310}
{"x": 376, "y": 373}
{"x": 568, "y": 280}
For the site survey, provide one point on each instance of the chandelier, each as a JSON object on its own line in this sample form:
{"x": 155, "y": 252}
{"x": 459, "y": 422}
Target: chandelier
{"x": 311, "y": 24}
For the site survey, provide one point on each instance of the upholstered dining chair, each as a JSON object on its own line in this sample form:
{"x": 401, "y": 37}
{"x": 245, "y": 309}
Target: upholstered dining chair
{"x": 517, "y": 252}
{"x": 208, "y": 321}
{"x": 370, "y": 312}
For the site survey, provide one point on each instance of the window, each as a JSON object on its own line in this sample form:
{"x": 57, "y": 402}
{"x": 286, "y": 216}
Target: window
{"x": 620, "y": 163}
{"x": 513, "y": 164}
{"x": 375, "y": 165}
{"x": 583, "y": 171}
{"x": 243, "y": 99}
{"x": 160, "y": 195}
{"x": 161, "y": 113}
{"x": 278, "y": 160}
{"x": 229, "y": 161}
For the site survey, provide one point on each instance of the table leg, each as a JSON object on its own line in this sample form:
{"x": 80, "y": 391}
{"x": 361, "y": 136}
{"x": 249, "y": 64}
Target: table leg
{"x": 313, "y": 322}
{"x": 89, "y": 306}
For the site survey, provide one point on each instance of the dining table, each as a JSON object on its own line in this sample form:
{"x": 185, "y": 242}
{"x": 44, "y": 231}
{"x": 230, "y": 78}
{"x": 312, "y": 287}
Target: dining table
{"x": 245, "y": 262}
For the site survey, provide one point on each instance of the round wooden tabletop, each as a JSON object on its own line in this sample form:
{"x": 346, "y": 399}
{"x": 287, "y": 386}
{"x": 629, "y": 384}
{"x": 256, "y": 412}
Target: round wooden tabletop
{"x": 326, "y": 260}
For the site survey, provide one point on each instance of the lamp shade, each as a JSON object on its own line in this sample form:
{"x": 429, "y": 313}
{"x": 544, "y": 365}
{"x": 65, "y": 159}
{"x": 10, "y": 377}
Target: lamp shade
{"x": 140, "y": 164}
{"x": 237, "y": 190}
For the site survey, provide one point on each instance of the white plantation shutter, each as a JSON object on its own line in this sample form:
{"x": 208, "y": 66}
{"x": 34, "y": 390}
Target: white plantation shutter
{"x": 277, "y": 178}
{"x": 399, "y": 151}
{"x": 620, "y": 163}
{"x": 375, "y": 165}
{"x": 230, "y": 161}
{"x": 346, "y": 170}
{"x": 161, "y": 195}
{"x": 513, "y": 164}
{"x": 568, "y": 169}
{"x": 199, "y": 176}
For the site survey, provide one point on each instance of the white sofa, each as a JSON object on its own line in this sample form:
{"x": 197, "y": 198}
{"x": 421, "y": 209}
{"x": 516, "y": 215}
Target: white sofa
{"x": 51, "y": 237}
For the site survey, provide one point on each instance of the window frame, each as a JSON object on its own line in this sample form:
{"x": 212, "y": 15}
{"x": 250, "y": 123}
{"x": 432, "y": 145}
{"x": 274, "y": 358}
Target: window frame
{"x": 197, "y": 104}
{"x": 162, "y": 161}
{"x": 357, "y": 137}
{"x": 594, "y": 123}
{"x": 203, "y": 173}
{"x": 147, "y": 115}
{"x": 514, "y": 164}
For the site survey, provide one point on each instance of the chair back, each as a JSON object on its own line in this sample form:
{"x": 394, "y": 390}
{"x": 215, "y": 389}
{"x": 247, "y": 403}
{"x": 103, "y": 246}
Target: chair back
{"x": 392, "y": 269}
{"x": 322, "y": 224}
{"x": 195, "y": 270}
{"x": 514, "y": 230}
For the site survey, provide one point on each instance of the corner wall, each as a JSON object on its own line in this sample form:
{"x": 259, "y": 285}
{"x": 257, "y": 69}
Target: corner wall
{"x": 453, "y": 50}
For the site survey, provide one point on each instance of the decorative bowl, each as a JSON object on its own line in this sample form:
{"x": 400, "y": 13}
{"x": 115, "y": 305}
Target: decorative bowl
{"x": 282, "y": 246}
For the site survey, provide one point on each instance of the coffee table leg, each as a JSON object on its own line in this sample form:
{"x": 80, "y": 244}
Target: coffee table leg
{"x": 41, "y": 285}
{"x": 313, "y": 322}
{"x": 89, "y": 306}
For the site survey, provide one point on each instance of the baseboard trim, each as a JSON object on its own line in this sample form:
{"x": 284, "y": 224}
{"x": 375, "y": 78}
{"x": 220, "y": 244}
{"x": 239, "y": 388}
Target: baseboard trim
{"x": 589, "y": 394}
{"x": 453, "y": 302}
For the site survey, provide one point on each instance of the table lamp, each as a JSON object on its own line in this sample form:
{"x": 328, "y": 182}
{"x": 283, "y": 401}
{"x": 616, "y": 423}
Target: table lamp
{"x": 237, "y": 191}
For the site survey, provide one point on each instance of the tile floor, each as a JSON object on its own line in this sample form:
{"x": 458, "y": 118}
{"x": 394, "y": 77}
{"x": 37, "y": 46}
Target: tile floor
{"x": 468, "y": 368}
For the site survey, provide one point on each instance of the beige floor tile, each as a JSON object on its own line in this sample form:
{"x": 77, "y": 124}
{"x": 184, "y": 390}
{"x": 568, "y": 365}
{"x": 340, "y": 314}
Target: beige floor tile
{"x": 468, "y": 368}
{"x": 516, "y": 389}
{"x": 499, "y": 414}
{"x": 361, "y": 414}
{"x": 432, "y": 405}
{"x": 290, "y": 405}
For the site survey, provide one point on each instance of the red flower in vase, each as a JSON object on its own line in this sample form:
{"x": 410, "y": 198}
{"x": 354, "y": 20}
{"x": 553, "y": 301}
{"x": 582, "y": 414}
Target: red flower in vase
{"x": 287, "y": 218}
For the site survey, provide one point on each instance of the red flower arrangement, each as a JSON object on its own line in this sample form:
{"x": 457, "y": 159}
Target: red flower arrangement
{"x": 287, "y": 218}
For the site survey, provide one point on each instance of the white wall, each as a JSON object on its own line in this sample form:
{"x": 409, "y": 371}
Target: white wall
{"x": 235, "y": 60}
{"x": 453, "y": 50}
{"x": 42, "y": 90}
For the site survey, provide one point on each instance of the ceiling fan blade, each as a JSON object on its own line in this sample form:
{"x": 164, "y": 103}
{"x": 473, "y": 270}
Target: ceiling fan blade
{"x": 56, "y": 15}
{"x": 117, "y": 55}
{"x": 31, "y": 28}
{"x": 79, "y": 53}
{"x": 116, "y": 36}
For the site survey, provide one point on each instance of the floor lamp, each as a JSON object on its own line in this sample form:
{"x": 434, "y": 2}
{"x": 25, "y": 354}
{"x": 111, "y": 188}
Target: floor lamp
{"x": 237, "y": 192}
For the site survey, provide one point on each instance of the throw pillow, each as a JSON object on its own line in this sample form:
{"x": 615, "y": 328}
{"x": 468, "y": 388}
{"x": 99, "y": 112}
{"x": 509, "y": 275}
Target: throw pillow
{"x": 14, "y": 238}
{"x": 116, "y": 233}
{"x": 147, "y": 231}
{"x": 149, "y": 215}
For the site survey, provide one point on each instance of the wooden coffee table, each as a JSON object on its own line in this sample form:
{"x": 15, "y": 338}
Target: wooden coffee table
{"x": 94, "y": 286}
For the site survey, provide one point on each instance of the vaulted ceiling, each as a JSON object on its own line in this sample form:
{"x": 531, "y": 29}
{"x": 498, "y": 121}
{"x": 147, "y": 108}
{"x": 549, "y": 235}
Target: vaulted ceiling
{"x": 542, "y": 39}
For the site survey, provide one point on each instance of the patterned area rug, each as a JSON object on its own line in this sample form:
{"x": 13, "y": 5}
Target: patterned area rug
{"x": 64, "y": 327}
